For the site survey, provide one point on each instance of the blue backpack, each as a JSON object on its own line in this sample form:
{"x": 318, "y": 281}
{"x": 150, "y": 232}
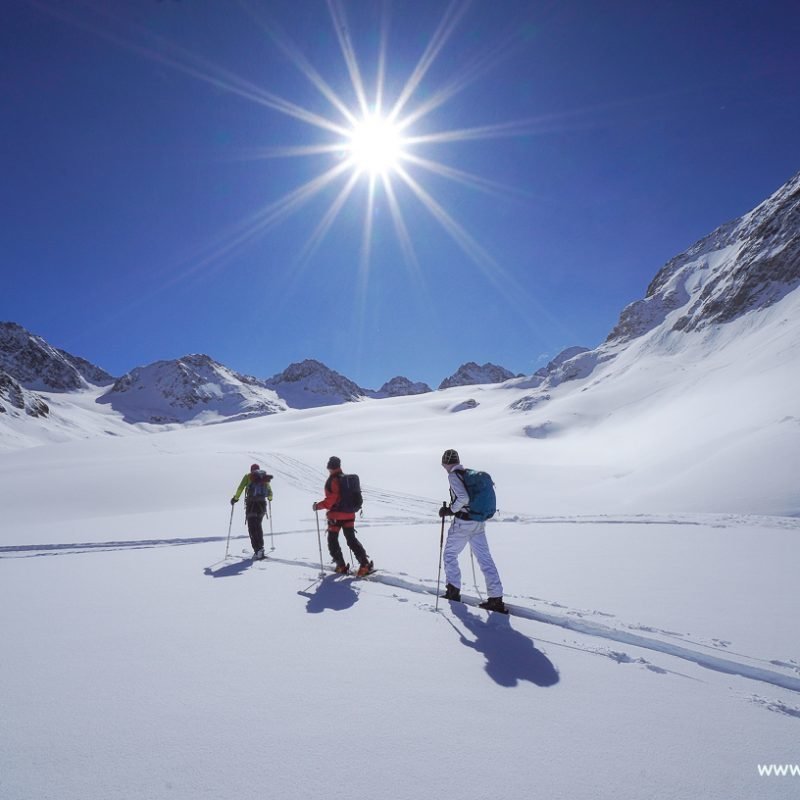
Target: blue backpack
{"x": 258, "y": 488}
{"x": 482, "y": 499}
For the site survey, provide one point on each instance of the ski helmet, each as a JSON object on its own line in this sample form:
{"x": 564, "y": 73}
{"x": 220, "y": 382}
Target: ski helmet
{"x": 450, "y": 457}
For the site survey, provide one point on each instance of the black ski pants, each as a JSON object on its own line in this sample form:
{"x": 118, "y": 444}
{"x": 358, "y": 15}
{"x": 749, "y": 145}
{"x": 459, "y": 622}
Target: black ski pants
{"x": 254, "y": 511}
{"x": 335, "y": 549}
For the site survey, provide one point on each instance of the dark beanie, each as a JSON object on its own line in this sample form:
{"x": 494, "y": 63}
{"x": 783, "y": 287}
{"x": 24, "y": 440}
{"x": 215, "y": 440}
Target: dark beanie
{"x": 450, "y": 457}
{"x": 334, "y": 462}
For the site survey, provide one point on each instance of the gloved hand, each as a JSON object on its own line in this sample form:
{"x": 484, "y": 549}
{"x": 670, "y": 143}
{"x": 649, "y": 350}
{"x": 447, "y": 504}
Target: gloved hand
{"x": 445, "y": 511}
{"x": 234, "y": 500}
{"x": 314, "y": 506}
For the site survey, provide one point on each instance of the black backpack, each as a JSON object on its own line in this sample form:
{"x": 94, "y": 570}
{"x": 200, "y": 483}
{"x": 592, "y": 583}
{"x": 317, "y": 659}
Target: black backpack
{"x": 350, "y": 497}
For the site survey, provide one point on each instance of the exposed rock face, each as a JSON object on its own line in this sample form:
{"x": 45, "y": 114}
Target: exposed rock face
{"x": 15, "y": 400}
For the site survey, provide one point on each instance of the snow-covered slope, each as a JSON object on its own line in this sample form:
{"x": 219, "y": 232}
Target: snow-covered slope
{"x": 194, "y": 388}
{"x": 35, "y": 364}
{"x": 694, "y": 393}
{"x": 561, "y": 358}
{"x": 647, "y": 655}
{"x": 647, "y": 540}
{"x": 471, "y": 374}
{"x": 310, "y": 383}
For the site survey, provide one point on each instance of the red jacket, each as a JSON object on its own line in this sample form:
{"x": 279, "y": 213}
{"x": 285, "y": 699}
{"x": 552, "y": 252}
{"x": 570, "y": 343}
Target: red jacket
{"x": 332, "y": 495}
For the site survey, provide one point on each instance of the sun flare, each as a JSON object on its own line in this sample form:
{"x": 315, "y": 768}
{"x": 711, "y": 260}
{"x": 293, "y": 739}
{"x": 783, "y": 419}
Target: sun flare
{"x": 375, "y": 145}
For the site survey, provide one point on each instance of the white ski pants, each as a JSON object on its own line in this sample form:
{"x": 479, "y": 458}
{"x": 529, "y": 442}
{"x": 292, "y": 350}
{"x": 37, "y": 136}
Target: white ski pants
{"x": 465, "y": 532}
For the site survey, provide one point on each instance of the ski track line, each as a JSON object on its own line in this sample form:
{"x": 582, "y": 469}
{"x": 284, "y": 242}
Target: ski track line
{"x": 594, "y": 629}
{"x": 304, "y": 476}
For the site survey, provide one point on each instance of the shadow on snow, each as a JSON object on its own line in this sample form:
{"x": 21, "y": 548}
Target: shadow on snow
{"x": 332, "y": 593}
{"x": 510, "y": 656}
{"x": 229, "y": 569}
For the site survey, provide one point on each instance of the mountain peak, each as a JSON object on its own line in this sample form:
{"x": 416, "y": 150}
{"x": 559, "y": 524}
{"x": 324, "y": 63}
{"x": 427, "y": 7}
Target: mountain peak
{"x": 309, "y": 383}
{"x": 192, "y": 388}
{"x": 744, "y": 265}
{"x": 400, "y": 386}
{"x": 35, "y": 364}
{"x": 470, "y": 374}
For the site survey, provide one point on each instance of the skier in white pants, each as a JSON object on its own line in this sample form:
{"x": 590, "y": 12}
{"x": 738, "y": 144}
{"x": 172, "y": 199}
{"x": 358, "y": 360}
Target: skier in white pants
{"x": 465, "y": 531}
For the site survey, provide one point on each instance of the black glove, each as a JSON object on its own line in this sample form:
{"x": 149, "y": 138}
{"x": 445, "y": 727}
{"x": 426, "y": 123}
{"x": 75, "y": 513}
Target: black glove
{"x": 313, "y": 506}
{"x": 234, "y": 500}
{"x": 445, "y": 511}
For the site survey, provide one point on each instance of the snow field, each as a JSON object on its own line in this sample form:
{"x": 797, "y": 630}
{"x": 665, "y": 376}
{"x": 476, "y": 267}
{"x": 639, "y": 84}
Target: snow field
{"x": 139, "y": 663}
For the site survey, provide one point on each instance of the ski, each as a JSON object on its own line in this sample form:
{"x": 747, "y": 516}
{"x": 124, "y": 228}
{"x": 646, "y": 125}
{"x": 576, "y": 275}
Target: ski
{"x": 473, "y": 604}
{"x": 494, "y": 610}
{"x": 355, "y": 576}
{"x": 249, "y": 554}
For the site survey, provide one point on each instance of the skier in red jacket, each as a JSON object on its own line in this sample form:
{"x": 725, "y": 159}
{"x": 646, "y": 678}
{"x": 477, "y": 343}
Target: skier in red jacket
{"x": 340, "y": 518}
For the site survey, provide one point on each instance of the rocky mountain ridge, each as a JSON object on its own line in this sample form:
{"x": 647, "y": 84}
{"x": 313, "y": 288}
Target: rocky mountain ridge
{"x": 37, "y": 365}
{"x": 194, "y": 388}
{"x": 744, "y": 265}
{"x": 472, "y": 374}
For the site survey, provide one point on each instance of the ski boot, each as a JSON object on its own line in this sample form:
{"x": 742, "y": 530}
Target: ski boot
{"x": 451, "y": 593}
{"x": 494, "y": 604}
{"x": 365, "y": 569}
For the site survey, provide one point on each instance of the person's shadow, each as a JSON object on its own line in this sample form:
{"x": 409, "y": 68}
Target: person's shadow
{"x": 231, "y": 568}
{"x": 332, "y": 593}
{"x": 510, "y": 656}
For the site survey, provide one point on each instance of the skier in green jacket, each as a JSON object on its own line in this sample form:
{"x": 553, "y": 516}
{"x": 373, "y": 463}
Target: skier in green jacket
{"x": 257, "y": 490}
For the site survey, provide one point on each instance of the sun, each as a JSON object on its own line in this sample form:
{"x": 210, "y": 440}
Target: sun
{"x": 375, "y": 145}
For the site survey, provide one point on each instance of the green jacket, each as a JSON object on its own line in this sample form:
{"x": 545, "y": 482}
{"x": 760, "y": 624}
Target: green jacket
{"x": 243, "y": 485}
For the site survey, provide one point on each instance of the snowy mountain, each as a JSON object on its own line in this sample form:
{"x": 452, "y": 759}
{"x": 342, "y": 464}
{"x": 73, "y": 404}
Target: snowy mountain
{"x": 36, "y": 364}
{"x": 647, "y": 540}
{"x": 400, "y": 386}
{"x": 471, "y": 374}
{"x": 194, "y": 388}
{"x": 538, "y": 378}
{"x": 739, "y": 270}
{"x": 309, "y": 383}
{"x": 744, "y": 265}
{"x": 561, "y": 358}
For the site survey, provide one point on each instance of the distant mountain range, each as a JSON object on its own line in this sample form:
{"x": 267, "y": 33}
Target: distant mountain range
{"x": 194, "y": 388}
{"x": 745, "y": 266}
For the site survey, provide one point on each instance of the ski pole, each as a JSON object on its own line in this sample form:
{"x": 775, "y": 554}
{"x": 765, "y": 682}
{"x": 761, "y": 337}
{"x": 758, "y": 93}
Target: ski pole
{"x": 271, "y": 534}
{"x": 230, "y": 525}
{"x": 441, "y": 546}
{"x": 474, "y": 579}
{"x": 319, "y": 542}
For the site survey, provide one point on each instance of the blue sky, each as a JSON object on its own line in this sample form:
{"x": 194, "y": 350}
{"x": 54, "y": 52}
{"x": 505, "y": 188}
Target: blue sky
{"x": 132, "y": 143}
